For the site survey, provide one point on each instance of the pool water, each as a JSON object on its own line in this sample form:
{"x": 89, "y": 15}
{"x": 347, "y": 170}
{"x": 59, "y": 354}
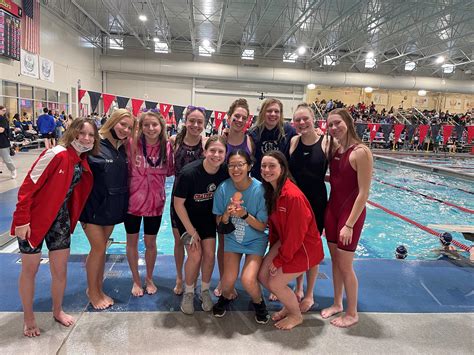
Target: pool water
{"x": 465, "y": 165}
{"x": 382, "y": 232}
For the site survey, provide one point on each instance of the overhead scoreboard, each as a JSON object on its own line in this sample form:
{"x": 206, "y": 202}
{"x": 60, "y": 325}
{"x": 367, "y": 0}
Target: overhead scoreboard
{"x": 10, "y": 29}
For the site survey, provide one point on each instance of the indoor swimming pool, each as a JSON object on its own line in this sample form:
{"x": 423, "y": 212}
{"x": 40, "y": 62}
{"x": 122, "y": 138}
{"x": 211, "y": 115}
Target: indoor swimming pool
{"x": 383, "y": 232}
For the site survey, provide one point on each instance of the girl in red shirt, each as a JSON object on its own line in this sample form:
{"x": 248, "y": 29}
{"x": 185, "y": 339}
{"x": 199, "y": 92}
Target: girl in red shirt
{"x": 295, "y": 243}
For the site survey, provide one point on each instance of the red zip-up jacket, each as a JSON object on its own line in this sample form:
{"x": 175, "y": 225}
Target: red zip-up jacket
{"x": 293, "y": 223}
{"x": 44, "y": 189}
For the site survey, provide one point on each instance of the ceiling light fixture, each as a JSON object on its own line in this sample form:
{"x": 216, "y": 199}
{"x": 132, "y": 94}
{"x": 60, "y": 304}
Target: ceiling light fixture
{"x": 206, "y": 43}
{"x": 368, "y": 89}
{"x": 311, "y": 86}
{"x": 370, "y": 54}
{"x": 301, "y": 50}
{"x": 421, "y": 92}
{"x": 439, "y": 60}
{"x": 142, "y": 18}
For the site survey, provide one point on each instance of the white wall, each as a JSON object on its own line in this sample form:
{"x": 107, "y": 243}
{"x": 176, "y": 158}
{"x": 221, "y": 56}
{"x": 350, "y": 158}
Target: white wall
{"x": 72, "y": 60}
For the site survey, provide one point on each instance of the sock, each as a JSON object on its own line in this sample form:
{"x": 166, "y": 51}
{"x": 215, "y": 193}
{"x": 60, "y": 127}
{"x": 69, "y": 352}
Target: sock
{"x": 205, "y": 286}
{"x": 189, "y": 289}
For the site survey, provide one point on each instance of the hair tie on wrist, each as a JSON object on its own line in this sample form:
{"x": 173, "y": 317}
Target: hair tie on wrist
{"x": 348, "y": 226}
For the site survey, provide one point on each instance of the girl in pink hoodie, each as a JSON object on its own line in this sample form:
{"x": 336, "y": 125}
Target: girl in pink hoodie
{"x": 150, "y": 162}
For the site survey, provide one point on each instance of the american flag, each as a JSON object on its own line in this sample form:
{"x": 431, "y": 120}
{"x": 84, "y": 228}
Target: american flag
{"x": 30, "y": 26}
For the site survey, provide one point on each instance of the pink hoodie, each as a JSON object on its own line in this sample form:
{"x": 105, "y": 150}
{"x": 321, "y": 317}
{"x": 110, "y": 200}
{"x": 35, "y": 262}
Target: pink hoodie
{"x": 146, "y": 183}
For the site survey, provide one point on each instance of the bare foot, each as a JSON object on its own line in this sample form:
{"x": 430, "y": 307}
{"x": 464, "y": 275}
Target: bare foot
{"x": 289, "y": 322}
{"x": 178, "y": 289}
{"x": 137, "y": 290}
{"x": 306, "y": 304}
{"x": 150, "y": 287}
{"x": 279, "y": 315}
{"x": 64, "y": 319}
{"x": 330, "y": 311}
{"x": 218, "y": 290}
{"x": 97, "y": 301}
{"x": 345, "y": 321}
{"x": 272, "y": 298}
{"x": 30, "y": 329}
{"x": 299, "y": 294}
{"x": 110, "y": 301}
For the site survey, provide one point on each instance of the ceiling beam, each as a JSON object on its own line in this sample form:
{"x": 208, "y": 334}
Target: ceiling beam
{"x": 192, "y": 25}
{"x": 220, "y": 36}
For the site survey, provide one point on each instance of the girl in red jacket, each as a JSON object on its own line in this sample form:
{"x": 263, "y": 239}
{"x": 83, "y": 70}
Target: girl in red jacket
{"x": 60, "y": 176}
{"x": 295, "y": 243}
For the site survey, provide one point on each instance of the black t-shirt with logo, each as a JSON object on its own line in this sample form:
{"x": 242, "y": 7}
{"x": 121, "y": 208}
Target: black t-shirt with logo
{"x": 197, "y": 186}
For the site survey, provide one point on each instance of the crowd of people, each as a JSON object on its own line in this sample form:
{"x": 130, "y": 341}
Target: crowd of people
{"x": 258, "y": 194}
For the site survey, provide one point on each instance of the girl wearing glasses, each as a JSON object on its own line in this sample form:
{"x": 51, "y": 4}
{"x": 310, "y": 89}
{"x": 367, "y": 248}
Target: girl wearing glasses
{"x": 271, "y": 132}
{"x": 239, "y": 204}
{"x": 108, "y": 202}
{"x": 150, "y": 162}
{"x": 60, "y": 177}
{"x": 193, "y": 196}
{"x": 188, "y": 146}
{"x": 308, "y": 165}
{"x": 295, "y": 244}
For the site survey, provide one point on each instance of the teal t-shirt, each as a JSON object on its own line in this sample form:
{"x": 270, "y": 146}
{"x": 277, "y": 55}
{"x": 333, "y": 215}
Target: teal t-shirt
{"x": 254, "y": 203}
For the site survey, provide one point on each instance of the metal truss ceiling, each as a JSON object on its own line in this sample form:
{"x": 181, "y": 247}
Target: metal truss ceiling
{"x": 345, "y": 30}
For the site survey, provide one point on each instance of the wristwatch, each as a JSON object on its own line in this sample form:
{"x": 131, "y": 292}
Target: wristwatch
{"x": 245, "y": 216}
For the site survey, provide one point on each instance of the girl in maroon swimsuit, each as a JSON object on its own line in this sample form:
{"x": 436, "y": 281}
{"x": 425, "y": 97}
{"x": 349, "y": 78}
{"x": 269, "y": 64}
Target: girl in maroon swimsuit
{"x": 350, "y": 168}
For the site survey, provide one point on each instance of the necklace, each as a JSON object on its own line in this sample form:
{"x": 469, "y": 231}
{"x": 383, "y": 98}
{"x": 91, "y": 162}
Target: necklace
{"x": 153, "y": 164}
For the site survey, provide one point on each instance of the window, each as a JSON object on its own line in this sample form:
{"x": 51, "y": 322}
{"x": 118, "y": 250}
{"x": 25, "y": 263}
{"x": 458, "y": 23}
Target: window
{"x": 206, "y": 51}
{"x": 409, "y": 65}
{"x": 329, "y": 60}
{"x": 26, "y": 92}
{"x": 10, "y": 89}
{"x": 40, "y": 94}
{"x": 290, "y": 57}
{"x": 370, "y": 62}
{"x": 116, "y": 43}
{"x": 52, "y": 96}
{"x": 64, "y": 98}
{"x": 448, "y": 68}
{"x": 161, "y": 47}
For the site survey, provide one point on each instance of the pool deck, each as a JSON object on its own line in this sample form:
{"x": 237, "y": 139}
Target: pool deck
{"x": 407, "y": 307}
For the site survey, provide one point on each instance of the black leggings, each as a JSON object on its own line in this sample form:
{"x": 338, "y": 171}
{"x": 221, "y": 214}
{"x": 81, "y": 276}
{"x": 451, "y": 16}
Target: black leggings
{"x": 151, "y": 224}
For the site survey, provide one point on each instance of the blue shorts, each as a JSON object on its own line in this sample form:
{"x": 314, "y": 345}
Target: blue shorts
{"x": 254, "y": 247}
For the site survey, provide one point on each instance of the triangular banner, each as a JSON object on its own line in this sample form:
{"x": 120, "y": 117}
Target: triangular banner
{"x": 150, "y": 105}
{"x": 322, "y": 125}
{"x": 178, "y": 112}
{"x": 373, "y": 128}
{"x": 360, "y": 129}
{"x": 249, "y": 123}
{"x": 423, "y": 130}
{"x": 398, "y": 130}
{"x": 447, "y": 131}
{"x": 208, "y": 116}
{"x": 122, "y": 101}
{"x": 218, "y": 118}
{"x": 95, "y": 97}
{"x": 165, "y": 109}
{"x": 136, "y": 105}
{"x": 108, "y": 99}
{"x": 470, "y": 134}
{"x": 81, "y": 94}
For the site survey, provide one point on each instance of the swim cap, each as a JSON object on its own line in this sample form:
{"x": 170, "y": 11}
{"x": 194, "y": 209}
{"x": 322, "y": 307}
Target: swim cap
{"x": 445, "y": 239}
{"x": 401, "y": 252}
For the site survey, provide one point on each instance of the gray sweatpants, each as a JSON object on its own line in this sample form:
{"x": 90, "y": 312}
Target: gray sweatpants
{"x": 7, "y": 159}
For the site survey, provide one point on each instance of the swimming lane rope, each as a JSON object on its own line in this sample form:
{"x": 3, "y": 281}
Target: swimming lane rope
{"x": 461, "y": 208}
{"x": 432, "y": 182}
{"x": 416, "y": 224}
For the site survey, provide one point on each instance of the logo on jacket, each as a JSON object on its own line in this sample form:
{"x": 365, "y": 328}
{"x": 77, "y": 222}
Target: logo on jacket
{"x": 282, "y": 209}
{"x": 61, "y": 171}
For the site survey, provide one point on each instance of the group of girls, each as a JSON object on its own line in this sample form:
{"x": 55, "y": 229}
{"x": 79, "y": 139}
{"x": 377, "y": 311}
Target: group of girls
{"x": 274, "y": 177}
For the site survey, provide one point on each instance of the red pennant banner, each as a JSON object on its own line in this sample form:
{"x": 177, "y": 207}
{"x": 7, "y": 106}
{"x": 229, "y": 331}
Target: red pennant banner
{"x": 218, "y": 118}
{"x": 249, "y": 123}
{"x": 470, "y": 134}
{"x": 373, "y": 127}
{"x": 398, "y": 130}
{"x": 423, "y": 130}
{"x": 447, "y": 130}
{"x": 136, "y": 104}
{"x": 81, "y": 94}
{"x": 108, "y": 99}
{"x": 323, "y": 125}
{"x": 165, "y": 109}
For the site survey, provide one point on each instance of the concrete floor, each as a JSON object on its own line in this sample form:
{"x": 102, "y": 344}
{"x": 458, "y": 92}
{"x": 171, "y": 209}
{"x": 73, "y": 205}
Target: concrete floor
{"x": 237, "y": 333}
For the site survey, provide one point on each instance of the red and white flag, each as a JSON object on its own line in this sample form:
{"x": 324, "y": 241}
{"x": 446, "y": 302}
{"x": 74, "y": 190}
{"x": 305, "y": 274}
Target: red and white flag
{"x": 30, "y": 26}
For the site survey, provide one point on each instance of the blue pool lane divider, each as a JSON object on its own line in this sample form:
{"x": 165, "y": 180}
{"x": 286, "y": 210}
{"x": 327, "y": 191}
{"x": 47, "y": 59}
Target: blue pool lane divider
{"x": 416, "y": 224}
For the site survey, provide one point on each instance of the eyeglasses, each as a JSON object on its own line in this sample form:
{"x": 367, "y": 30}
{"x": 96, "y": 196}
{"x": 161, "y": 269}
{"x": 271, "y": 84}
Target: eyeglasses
{"x": 199, "y": 108}
{"x": 239, "y": 166}
{"x": 154, "y": 110}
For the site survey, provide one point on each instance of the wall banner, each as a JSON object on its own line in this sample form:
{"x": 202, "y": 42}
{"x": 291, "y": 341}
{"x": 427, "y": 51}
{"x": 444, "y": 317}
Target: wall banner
{"x": 29, "y": 64}
{"x": 46, "y": 69}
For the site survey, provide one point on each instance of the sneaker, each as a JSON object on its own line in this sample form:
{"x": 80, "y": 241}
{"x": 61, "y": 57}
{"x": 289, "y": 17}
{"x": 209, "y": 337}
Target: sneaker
{"x": 219, "y": 308}
{"x": 14, "y": 174}
{"x": 187, "y": 304}
{"x": 206, "y": 301}
{"x": 261, "y": 313}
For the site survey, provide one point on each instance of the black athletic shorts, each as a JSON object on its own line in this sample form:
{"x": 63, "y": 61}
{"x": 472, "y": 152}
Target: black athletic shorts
{"x": 60, "y": 242}
{"x": 205, "y": 229}
{"x": 151, "y": 225}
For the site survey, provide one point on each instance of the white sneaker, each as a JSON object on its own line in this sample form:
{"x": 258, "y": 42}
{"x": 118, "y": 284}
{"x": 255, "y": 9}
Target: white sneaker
{"x": 14, "y": 174}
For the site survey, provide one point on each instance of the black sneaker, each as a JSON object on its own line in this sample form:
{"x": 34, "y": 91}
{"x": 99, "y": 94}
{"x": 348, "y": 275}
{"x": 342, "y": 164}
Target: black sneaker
{"x": 219, "y": 309}
{"x": 261, "y": 313}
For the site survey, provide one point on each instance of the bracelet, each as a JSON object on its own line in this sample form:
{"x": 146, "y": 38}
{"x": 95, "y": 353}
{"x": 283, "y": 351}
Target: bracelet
{"x": 245, "y": 216}
{"x": 348, "y": 226}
